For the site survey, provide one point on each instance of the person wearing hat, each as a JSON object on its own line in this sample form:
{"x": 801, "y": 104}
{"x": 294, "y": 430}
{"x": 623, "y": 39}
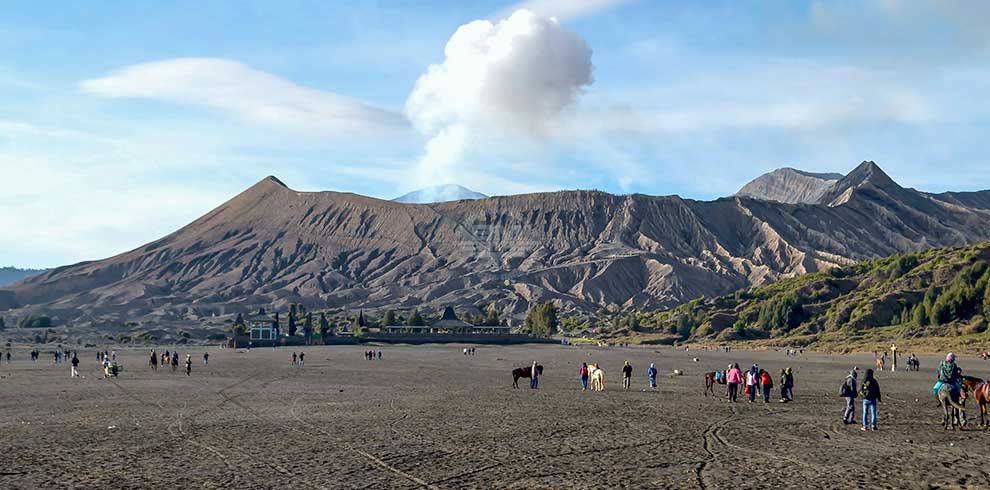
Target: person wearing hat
{"x": 948, "y": 372}
{"x": 850, "y": 391}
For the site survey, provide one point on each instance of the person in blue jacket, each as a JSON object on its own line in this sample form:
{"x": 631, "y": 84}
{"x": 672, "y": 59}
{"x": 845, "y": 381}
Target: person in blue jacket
{"x": 652, "y": 373}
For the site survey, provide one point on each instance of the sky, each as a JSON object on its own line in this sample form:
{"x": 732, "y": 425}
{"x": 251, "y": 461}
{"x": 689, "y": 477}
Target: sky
{"x": 120, "y": 122}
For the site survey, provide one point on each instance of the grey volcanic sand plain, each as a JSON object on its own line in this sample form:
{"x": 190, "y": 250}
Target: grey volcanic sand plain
{"x": 430, "y": 417}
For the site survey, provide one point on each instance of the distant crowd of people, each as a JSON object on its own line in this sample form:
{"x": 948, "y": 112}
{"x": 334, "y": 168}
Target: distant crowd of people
{"x": 171, "y": 359}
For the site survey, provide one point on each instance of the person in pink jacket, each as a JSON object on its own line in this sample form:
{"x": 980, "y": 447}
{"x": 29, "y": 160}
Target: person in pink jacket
{"x": 733, "y": 378}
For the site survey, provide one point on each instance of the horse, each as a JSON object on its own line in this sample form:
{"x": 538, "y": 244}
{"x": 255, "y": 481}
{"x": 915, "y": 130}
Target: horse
{"x": 952, "y": 410}
{"x": 981, "y": 393}
{"x": 879, "y": 364}
{"x": 913, "y": 364}
{"x": 526, "y": 372}
{"x": 710, "y": 381}
{"x": 596, "y": 377}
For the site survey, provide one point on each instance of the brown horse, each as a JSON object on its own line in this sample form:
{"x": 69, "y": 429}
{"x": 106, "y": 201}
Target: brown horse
{"x": 525, "y": 373}
{"x": 710, "y": 382}
{"x": 981, "y": 393}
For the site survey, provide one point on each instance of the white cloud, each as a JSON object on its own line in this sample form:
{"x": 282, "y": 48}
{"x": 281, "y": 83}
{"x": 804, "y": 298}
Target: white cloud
{"x": 253, "y": 95}
{"x": 512, "y": 77}
{"x": 561, "y": 9}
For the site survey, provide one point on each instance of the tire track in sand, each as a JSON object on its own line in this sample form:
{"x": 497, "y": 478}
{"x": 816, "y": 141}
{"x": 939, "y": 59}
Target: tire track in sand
{"x": 709, "y": 439}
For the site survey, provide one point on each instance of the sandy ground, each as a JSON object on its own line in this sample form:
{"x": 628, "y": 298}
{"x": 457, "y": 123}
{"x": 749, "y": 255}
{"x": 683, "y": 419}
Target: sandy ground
{"x": 427, "y": 416}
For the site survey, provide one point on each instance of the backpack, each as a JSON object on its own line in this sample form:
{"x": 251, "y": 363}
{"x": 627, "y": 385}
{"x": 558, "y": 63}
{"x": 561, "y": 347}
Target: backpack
{"x": 844, "y": 391}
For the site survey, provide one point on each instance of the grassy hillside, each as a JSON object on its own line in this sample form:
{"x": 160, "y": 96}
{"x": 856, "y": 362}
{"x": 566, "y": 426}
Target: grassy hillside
{"x": 925, "y": 301}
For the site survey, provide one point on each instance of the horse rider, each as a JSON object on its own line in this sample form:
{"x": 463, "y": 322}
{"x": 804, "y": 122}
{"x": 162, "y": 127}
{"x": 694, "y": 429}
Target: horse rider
{"x": 949, "y": 373}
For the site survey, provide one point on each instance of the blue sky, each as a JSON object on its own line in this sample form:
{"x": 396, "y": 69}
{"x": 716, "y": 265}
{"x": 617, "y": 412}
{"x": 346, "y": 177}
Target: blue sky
{"x": 122, "y": 121}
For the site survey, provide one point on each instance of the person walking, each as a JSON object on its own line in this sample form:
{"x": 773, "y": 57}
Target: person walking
{"x": 294, "y": 358}
{"x": 584, "y": 376}
{"x": 766, "y": 384}
{"x": 870, "y": 390}
{"x": 786, "y": 385}
{"x": 849, "y": 391}
{"x": 380, "y": 354}
{"x": 302, "y": 358}
{"x": 75, "y": 366}
{"x": 153, "y": 360}
{"x": 751, "y": 381}
{"x": 733, "y": 379}
{"x": 206, "y": 358}
{"x": 188, "y": 364}
{"x": 626, "y": 375}
{"x": 534, "y": 373}
{"x": 652, "y": 374}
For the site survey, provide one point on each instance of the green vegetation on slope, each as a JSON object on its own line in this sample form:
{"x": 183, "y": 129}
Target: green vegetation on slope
{"x": 938, "y": 293}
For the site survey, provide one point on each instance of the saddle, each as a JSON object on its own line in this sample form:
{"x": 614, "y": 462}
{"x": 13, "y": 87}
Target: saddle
{"x": 938, "y": 386}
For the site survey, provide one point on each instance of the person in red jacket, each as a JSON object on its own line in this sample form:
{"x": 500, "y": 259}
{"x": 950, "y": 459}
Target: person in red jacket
{"x": 584, "y": 376}
{"x": 766, "y": 382}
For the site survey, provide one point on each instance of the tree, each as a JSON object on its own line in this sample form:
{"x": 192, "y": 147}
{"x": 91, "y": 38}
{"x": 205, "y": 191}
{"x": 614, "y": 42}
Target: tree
{"x": 491, "y": 317}
{"x": 357, "y": 327}
{"x": 324, "y": 327}
{"x": 929, "y": 305}
{"x": 308, "y": 327}
{"x": 685, "y": 324}
{"x": 919, "y": 316}
{"x": 389, "y": 318}
{"x": 239, "y": 327}
{"x": 542, "y": 319}
{"x": 415, "y": 320}
{"x": 986, "y": 303}
{"x": 292, "y": 323}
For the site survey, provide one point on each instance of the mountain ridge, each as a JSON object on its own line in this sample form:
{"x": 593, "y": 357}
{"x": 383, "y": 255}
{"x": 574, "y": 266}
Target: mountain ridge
{"x": 588, "y": 251}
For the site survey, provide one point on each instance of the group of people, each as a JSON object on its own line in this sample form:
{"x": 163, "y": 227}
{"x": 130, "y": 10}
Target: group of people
{"x": 167, "y": 358}
{"x": 469, "y": 351}
{"x": 627, "y": 372}
{"x": 372, "y": 355}
{"x": 755, "y": 381}
{"x": 869, "y": 390}
{"x": 299, "y": 360}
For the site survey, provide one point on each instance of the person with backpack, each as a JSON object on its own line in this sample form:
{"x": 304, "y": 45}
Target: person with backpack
{"x": 652, "y": 374}
{"x": 766, "y": 383}
{"x": 584, "y": 376}
{"x": 849, "y": 391}
{"x": 626, "y": 375}
{"x": 734, "y": 378}
{"x": 870, "y": 391}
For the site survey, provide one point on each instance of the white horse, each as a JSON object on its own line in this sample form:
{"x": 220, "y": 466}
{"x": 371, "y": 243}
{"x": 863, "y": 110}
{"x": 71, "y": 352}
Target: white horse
{"x": 596, "y": 377}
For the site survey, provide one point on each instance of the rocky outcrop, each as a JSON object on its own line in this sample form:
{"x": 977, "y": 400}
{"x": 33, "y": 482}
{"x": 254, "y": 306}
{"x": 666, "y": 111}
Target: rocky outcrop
{"x": 788, "y": 185}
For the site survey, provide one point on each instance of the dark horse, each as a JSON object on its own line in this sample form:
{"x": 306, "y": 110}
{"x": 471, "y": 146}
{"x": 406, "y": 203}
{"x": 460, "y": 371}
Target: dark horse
{"x": 524, "y": 373}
